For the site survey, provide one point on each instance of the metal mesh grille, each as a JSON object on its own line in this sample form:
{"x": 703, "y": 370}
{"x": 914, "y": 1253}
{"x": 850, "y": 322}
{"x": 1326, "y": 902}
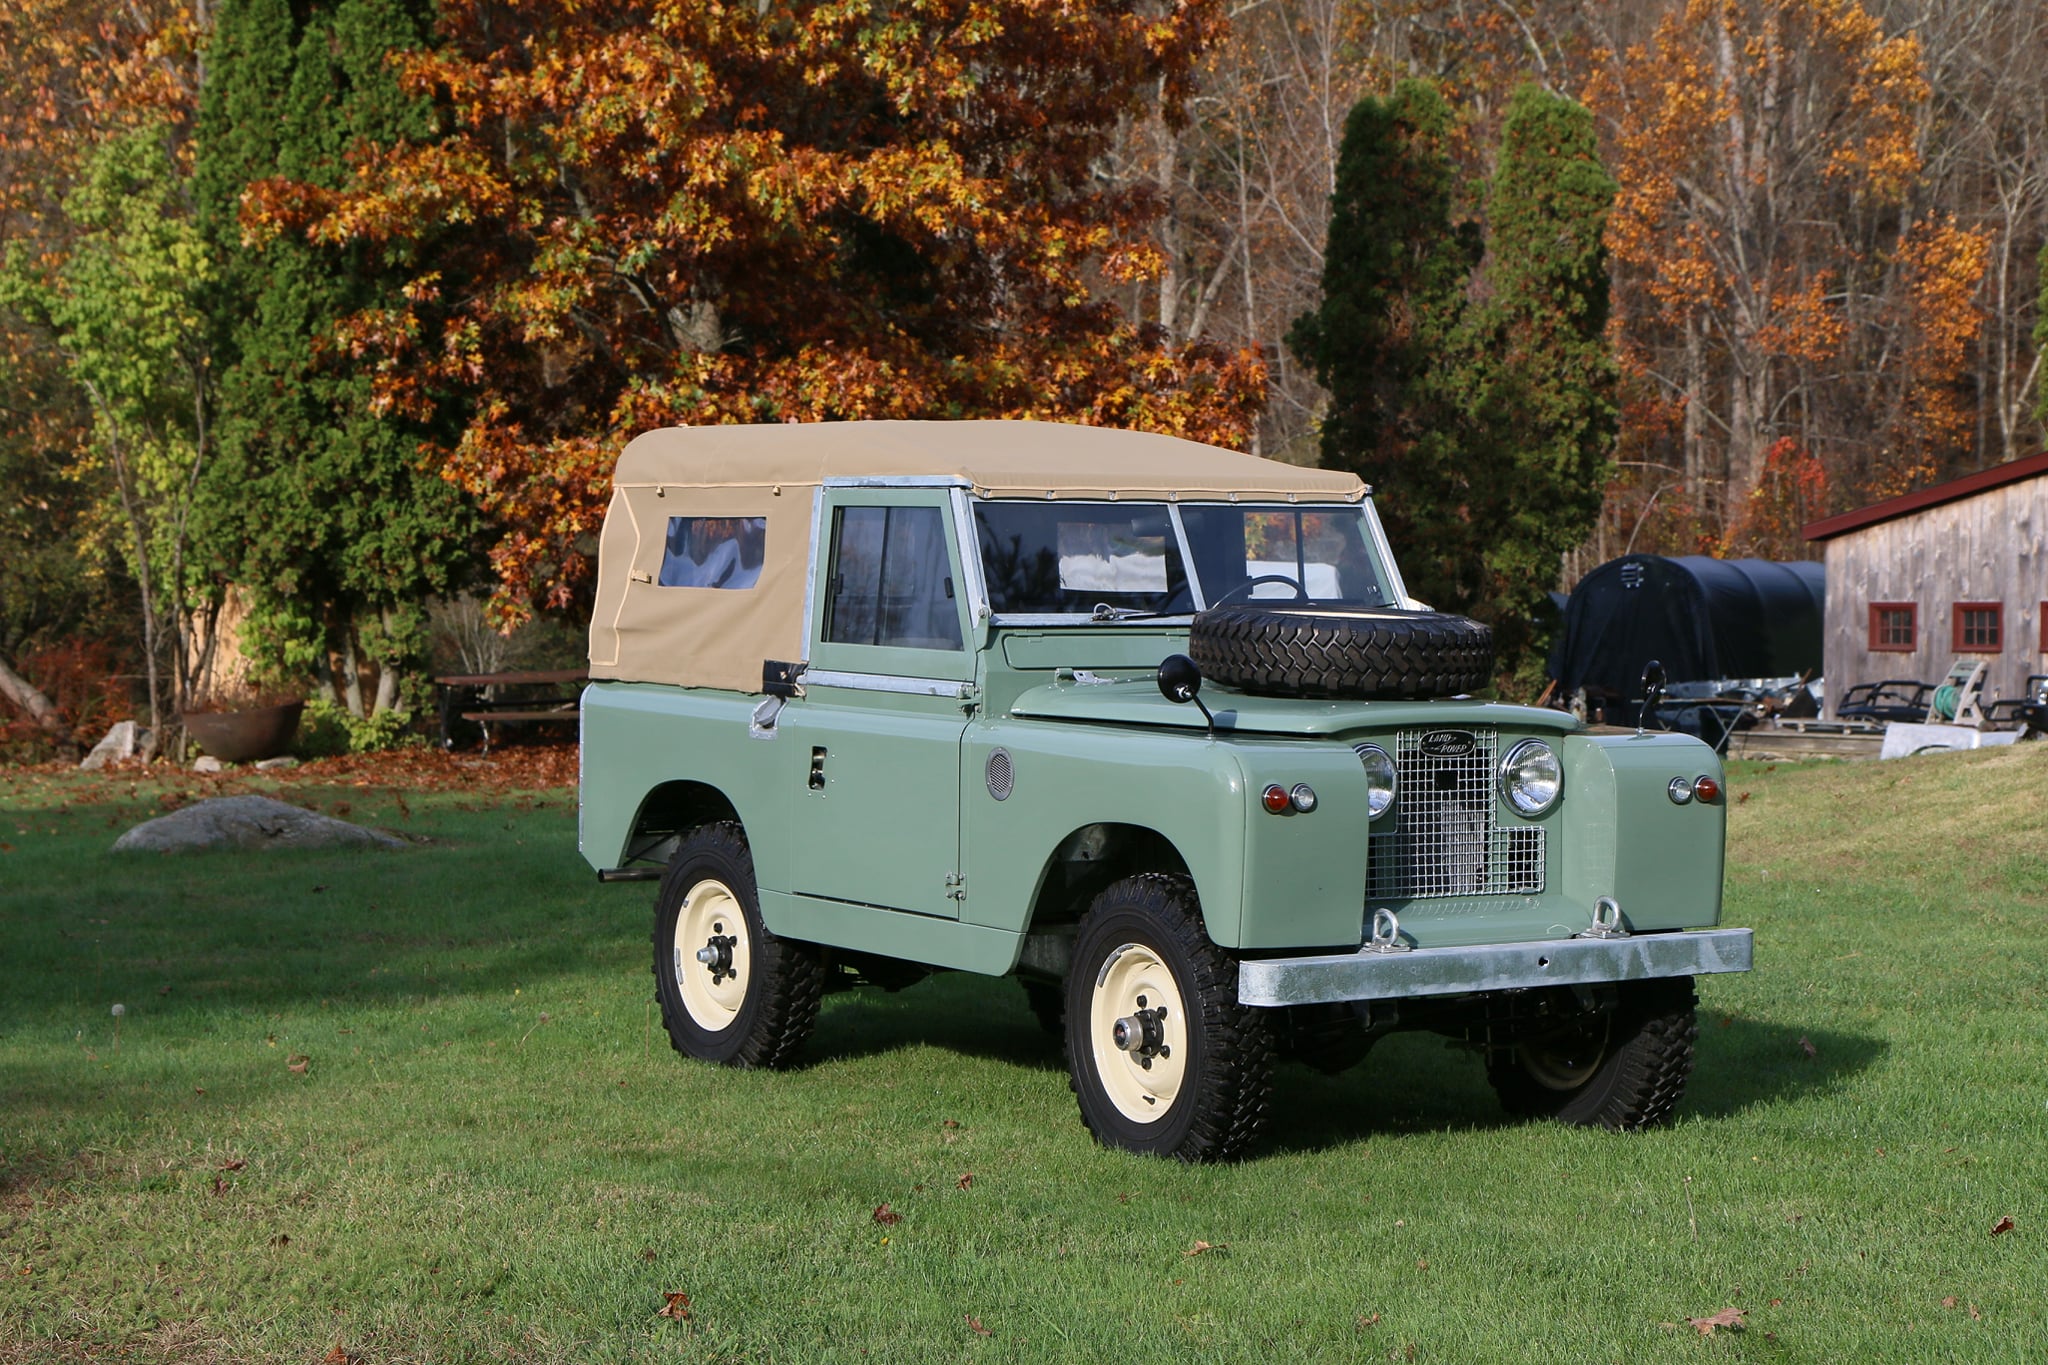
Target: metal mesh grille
{"x": 999, "y": 775}
{"x": 1444, "y": 840}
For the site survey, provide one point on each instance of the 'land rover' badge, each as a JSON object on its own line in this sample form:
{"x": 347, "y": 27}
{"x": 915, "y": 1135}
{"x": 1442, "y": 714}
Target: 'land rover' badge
{"x": 1447, "y": 744}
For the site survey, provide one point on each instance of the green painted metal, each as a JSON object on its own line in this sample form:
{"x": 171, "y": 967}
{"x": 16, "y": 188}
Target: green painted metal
{"x": 874, "y": 825}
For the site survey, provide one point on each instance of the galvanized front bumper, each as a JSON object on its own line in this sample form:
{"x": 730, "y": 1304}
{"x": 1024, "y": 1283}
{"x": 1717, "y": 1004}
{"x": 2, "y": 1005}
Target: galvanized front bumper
{"x": 1369, "y": 975}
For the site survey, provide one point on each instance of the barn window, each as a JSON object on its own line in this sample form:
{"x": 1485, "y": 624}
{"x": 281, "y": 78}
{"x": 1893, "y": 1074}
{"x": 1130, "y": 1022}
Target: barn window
{"x": 1980, "y": 627}
{"x": 1894, "y": 627}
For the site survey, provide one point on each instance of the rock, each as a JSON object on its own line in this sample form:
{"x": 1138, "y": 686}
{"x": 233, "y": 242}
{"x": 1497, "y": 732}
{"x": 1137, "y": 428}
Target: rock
{"x": 271, "y": 765}
{"x": 247, "y": 822}
{"x": 207, "y": 763}
{"x": 118, "y": 744}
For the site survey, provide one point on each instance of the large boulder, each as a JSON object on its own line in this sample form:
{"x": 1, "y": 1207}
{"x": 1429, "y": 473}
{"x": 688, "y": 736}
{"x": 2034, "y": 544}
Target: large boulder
{"x": 248, "y": 822}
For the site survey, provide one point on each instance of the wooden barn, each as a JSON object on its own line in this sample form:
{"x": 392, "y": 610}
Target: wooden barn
{"x": 1953, "y": 573}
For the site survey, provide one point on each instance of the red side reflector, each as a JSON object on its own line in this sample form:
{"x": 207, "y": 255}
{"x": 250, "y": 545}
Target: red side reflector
{"x": 1706, "y": 789}
{"x": 1276, "y": 799}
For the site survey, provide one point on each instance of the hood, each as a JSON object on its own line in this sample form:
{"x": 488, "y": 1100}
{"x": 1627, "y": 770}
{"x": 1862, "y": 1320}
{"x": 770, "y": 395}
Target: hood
{"x": 1138, "y": 702}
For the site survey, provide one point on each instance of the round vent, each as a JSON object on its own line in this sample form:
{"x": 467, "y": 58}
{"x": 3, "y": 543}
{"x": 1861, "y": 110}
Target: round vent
{"x": 1000, "y": 779}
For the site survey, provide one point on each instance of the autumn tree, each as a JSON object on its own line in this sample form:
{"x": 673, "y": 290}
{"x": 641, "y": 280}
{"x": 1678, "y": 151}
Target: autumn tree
{"x": 322, "y": 513}
{"x": 698, "y": 212}
{"x": 1776, "y": 281}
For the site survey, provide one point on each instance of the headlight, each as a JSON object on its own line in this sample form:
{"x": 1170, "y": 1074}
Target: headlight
{"x": 1380, "y": 781}
{"x": 1531, "y": 778}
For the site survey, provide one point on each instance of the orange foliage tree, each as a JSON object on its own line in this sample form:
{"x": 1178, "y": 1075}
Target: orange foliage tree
{"x": 1770, "y": 258}
{"x": 699, "y": 212}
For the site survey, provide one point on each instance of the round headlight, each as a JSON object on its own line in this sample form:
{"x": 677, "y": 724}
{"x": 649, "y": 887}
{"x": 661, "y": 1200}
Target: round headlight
{"x": 1531, "y": 777}
{"x": 1380, "y": 781}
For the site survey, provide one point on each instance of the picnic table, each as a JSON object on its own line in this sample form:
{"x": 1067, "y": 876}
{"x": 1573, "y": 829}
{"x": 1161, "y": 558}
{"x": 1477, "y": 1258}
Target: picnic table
{"x": 481, "y": 699}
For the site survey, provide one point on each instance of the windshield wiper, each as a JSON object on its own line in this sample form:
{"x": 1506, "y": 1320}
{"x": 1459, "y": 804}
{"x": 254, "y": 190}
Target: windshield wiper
{"x": 1105, "y": 612}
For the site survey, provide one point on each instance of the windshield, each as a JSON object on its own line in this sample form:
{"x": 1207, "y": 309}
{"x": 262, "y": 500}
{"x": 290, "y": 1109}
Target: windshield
{"x": 1056, "y": 558}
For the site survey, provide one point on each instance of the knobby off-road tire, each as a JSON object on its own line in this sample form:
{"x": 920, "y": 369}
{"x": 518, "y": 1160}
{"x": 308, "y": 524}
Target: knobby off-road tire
{"x": 1207, "y": 1091}
{"x": 1359, "y": 653}
{"x": 1624, "y": 1070}
{"x": 756, "y": 1004}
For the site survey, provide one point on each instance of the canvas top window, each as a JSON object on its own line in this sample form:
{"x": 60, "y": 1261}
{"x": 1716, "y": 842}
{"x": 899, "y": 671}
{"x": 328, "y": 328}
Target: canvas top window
{"x": 713, "y": 552}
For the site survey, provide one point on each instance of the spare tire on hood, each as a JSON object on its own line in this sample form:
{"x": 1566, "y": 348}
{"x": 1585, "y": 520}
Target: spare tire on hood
{"x": 1306, "y": 649}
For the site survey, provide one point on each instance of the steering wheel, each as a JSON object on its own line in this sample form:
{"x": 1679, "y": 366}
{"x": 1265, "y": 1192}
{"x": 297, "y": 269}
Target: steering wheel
{"x": 1246, "y": 588}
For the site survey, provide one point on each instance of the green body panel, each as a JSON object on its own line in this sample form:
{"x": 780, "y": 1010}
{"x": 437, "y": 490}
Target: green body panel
{"x": 884, "y": 828}
{"x": 903, "y": 849}
{"x": 905, "y": 836}
{"x": 1626, "y": 838}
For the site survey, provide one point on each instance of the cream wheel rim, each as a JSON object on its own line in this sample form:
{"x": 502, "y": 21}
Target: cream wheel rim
{"x": 711, "y": 921}
{"x": 1143, "y": 1080}
{"x": 1566, "y": 1063}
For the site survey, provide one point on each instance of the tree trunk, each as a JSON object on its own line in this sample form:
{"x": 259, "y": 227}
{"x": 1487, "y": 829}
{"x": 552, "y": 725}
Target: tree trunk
{"x": 30, "y": 699}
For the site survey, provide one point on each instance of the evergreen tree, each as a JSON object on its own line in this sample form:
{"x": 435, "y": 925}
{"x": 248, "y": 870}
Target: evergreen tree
{"x": 1547, "y": 376}
{"x": 1481, "y": 409}
{"x": 1388, "y": 339}
{"x": 318, "y": 507}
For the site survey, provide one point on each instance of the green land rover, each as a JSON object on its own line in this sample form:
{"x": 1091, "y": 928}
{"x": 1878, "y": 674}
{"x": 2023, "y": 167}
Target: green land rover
{"x": 1153, "y": 727}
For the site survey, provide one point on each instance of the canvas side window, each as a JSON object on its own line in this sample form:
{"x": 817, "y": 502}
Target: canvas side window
{"x": 892, "y": 581}
{"x": 713, "y": 552}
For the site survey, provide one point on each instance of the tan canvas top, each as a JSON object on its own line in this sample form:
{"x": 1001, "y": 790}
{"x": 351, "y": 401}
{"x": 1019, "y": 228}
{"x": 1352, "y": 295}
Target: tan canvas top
{"x": 739, "y": 501}
{"x": 1000, "y": 460}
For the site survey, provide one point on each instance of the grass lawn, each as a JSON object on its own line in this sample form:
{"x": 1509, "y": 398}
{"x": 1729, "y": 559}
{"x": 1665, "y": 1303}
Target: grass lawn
{"x": 412, "y": 1106}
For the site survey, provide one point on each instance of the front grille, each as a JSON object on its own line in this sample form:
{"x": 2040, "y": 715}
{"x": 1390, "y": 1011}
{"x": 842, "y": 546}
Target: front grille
{"x": 1445, "y": 839}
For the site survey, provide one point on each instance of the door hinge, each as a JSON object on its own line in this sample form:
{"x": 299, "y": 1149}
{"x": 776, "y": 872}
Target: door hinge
{"x": 956, "y": 887}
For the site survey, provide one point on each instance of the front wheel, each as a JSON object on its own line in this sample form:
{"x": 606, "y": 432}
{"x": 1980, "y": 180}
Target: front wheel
{"x": 1162, "y": 1058}
{"x": 1621, "y": 1069}
{"x": 730, "y": 991}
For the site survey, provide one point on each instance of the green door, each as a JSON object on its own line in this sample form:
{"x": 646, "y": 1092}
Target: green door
{"x": 871, "y": 752}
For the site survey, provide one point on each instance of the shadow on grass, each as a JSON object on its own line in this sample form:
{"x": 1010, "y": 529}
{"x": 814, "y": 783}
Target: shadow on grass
{"x": 1409, "y": 1083}
{"x": 975, "y": 1016}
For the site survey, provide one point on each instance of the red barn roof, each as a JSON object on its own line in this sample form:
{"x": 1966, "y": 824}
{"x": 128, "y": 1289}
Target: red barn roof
{"x": 1954, "y": 490}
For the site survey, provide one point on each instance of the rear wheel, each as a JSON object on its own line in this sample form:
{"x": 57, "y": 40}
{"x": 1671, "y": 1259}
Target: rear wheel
{"x": 1163, "y": 1059}
{"x": 1622, "y": 1069}
{"x": 730, "y": 991}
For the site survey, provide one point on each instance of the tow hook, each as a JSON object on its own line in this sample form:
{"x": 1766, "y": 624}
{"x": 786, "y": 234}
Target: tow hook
{"x": 1142, "y": 1034}
{"x": 717, "y": 955}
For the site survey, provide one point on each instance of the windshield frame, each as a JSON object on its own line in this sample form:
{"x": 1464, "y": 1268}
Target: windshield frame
{"x": 1376, "y": 537}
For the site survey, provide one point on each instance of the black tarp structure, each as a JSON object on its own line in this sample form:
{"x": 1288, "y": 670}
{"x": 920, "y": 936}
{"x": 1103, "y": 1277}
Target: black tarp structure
{"x": 1702, "y": 618}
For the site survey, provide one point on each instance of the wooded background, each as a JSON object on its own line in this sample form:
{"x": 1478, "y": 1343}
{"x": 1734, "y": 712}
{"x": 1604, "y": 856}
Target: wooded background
{"x": 319, "y": 313}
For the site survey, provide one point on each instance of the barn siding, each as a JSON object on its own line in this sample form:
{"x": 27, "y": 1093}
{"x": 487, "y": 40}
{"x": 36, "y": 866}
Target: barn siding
{"x": 1987, "y": 548}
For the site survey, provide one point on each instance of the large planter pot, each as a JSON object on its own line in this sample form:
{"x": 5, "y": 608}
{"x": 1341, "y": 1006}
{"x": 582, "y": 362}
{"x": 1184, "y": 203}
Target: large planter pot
{"x": 245, "y": 736}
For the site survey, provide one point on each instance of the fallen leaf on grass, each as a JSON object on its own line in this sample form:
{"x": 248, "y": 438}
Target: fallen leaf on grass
{"x": 974, "y": 1326}
{"x": 966, "y": 1179}
{"x": 950, "y": 1123}
{"x": 647, "y": 1255}
{"x": 1200, "y": 1247}
{"x": 233, "y": 1164}
{"x": 1742, "y": 798}
{"x": 337, "y": 1356}
{"x": 1731, "y": 1318}
{"x": 1975, "y": 1316}
{"x": 1949, "y": 1301}
{"x": 283, "y": 1239}
{"x": 2002, "y": 1225}
{"x": 1806, "y": 1046}
{"x": 220, "y": 1187}
{"x": 887, "y": 1216}
{"x": 1365, "y": 1322}
{"x": 677, "y": 1307}
{"x": 298, "y": 1062}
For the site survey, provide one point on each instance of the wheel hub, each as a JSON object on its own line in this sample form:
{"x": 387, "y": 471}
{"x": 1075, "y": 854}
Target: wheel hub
{"x": 710, "y": 930}
{"x": 1137, "y": 1031}
{"x": 716, "y": 955}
